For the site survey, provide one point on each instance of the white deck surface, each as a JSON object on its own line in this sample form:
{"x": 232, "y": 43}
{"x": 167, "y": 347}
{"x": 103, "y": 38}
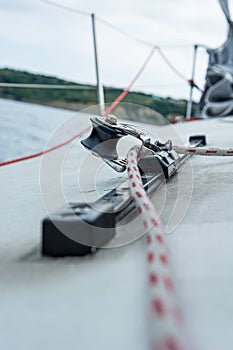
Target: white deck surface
{"x": 99, "y": 302}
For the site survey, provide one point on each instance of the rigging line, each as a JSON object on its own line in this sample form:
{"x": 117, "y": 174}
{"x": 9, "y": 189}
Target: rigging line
{"x": 126, "y": 91}
{"x": 137, "y": 38}
{"x": 46, "y": 86}
{"x": 67, "y": 8}
{"x": 171, "y": 65}
{"x": 158, "y": 85}
{"x": 48, "y": 150}
{"x": 73, "y": 138}
{"x": 124, "y": 32}
{"x": 114, "y": 27}
{"x": 199, "y": 151}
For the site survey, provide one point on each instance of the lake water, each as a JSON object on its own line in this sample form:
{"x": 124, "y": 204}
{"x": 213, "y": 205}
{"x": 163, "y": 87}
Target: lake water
{"x": 25, "y": 127}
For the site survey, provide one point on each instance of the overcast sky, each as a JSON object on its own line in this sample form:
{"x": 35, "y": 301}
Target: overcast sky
{"x": 41, "y": 38}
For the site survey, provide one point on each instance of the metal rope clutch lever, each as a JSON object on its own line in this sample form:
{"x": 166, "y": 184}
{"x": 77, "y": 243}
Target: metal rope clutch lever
{"x": 105, "y": 134}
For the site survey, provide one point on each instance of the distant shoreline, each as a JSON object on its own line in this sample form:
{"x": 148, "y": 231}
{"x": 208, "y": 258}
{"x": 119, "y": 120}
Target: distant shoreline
{"x": 82, "y": 98}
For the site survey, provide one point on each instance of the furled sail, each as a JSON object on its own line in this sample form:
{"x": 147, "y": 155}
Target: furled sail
{"x": 217, "y": 98}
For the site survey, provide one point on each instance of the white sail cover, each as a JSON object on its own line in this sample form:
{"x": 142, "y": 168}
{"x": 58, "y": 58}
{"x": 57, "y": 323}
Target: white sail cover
{"x": 217, "y": 98}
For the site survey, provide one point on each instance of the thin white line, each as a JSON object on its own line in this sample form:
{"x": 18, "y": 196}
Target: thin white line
{"x": 47, "y": 86}
{"x": 115, "y": 27}
{"x": 64, "y": 7}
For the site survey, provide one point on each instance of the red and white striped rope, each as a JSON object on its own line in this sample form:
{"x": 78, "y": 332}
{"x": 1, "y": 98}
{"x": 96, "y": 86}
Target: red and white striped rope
{"x": 165, "y": 324}
{"x": 200, "y": 151}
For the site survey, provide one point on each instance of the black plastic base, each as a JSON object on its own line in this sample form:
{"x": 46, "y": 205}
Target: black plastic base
{"x": 79, "y": 231}
{"x": 198, "y": 140}
{"x": 56, "y": 244}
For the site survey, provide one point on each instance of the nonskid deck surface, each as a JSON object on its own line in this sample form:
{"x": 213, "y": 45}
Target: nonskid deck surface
{"x": 99, "y": 302}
